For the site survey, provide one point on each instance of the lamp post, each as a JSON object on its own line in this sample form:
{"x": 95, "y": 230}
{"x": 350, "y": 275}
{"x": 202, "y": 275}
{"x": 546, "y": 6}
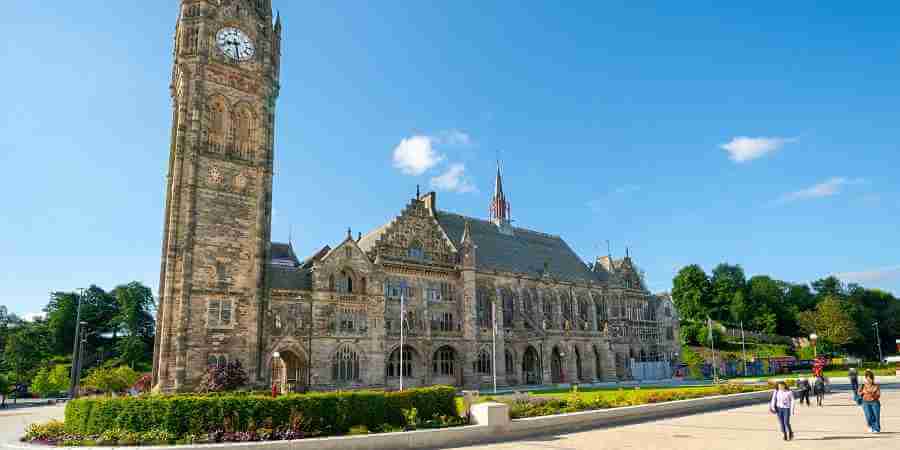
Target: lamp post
{"x": 73, "y": 385}
{"x": 878, "y": 340}
{"x": 812, "y": 339}
{"x": 276, "y": 357}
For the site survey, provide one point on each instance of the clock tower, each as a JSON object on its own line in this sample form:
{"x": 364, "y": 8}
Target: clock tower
{"x": 212, "y": 289}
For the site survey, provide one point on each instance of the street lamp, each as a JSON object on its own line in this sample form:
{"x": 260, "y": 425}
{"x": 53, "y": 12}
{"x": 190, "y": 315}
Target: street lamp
{"x": 878, "y": 340}
{"x": 812, "y": 338}
{"x": 276, "y": 357}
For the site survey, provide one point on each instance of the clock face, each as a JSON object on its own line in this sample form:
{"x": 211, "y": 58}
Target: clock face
{"x": 235, "y": 44}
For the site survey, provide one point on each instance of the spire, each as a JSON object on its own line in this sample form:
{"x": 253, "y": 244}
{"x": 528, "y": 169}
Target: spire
{"x": 499, "y": 205}
{"x": 278, "y": 22}
{"x": 349, "y": 233}
{"x": 467, "y": 234}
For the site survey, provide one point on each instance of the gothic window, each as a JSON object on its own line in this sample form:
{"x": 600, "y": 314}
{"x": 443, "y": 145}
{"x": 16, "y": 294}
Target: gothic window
{"x": 482, "y": 364}
{"x": 216, "y": 129}
{"x": 528, "y": 303}
{"x": 566, "y": 303}
{"x": 242, "y": 128}
{"x": 446, "y": 292}
{"x": 348, "y": 252}
{"x": 345, "y": 283}
{"x": 483, "y": 308}
{"x": 509, "y": 308}
{"x": 219, "y": 313}
{"x": 548, "y": 310}
{"x": 444, "y": 359}
{"x": 433, "y": 292}
{"x": 584, "y": 308}
{"x": 345, "y": 365}
{"x": 393, "y": 366}
{"x": 295, "y": 314}
{"x": 331, "y": 285}
{"x": 392, "y": 289}
{"x": 443, "y": 322}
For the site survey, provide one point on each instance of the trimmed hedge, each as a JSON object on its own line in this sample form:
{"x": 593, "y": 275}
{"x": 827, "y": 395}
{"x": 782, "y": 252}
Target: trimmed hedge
{"x": 320, "y": 413}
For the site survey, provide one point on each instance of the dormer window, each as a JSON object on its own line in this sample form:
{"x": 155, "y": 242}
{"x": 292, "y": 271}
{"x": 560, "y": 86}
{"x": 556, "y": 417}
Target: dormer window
{"x": 415, "y": 252}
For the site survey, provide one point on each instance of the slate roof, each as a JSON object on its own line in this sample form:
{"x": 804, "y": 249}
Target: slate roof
{"x": 285, "y": 271}
{"x": 524, "y": 251}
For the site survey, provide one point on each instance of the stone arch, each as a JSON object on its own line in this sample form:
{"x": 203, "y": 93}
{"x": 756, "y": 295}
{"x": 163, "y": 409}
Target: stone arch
{"x": 579, "y": 364}
{"x": 557, "y": 368}
{"x": 510, "y": 364}
{"x": 411, "y": 366}
{"x": 531, "y": 366}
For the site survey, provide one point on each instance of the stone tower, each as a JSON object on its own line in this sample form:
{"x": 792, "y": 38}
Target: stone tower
{"x": 215, "y": 245}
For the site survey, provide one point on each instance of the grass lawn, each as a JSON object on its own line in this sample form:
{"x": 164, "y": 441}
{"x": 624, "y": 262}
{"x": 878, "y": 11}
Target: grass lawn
{"x": 566, "y": 400}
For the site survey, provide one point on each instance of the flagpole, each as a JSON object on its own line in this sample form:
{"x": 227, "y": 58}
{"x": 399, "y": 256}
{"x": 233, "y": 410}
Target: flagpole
{"x": 712, "y": 342}
{"x": 402, "y": 319}
{"x": 743, "y": 348}
{"x": 494, "y": 343}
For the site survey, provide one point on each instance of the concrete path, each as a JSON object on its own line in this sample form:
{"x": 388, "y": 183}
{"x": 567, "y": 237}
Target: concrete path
{"x": 14, "y": 419}
{"x": 837, "y": 425}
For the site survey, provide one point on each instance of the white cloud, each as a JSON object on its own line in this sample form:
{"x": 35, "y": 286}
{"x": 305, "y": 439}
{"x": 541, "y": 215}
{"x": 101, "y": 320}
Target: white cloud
{"x": 414, "y": 155}
{"x": 743, "y": 148}
{"x": 870, "y": 276}
{"x": 453, "y": 180}
{"x": 827, "y": 188}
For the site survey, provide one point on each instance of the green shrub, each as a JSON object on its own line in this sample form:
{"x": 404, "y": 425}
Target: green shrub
{"x": 311, "y": 414}
{"x": 50, "y": 431}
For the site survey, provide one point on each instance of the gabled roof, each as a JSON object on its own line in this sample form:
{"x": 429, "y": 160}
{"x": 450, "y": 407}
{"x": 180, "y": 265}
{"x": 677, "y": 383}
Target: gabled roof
{"x": 524, "y": 251}
{"x": 282, "y": 254}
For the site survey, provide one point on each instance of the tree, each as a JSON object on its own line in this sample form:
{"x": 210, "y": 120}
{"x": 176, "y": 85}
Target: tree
{"x": 25, "y": 348}
{"x": 727, "y": 280}
{"x": 5, "y": 388}
{"x": 828, "y": 287}
{"x": 135, "y": 318}
{"x": 691, "y": 293}
{"x": 60, "y": 316}
{"x": 111, "y": 380}
{"x": 766, "y": 300}
{"x": 831, "y": 321}
{"x": 800, "y": 297}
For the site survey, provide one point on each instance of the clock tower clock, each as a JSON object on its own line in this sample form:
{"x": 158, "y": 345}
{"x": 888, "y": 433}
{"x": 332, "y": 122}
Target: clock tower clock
{"x": 225, "y": 82}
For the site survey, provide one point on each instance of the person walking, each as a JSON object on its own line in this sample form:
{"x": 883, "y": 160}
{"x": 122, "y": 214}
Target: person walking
{"x": 782, "y": 405}
{"x": 819, "y": 390}
{"x": 803, "y": 388}
{"x": 854, "y": 383}
{"x": 870, "y": 392}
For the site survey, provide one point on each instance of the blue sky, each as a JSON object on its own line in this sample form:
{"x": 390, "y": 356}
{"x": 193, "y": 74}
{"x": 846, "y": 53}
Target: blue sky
{"x": 761, "y": 135}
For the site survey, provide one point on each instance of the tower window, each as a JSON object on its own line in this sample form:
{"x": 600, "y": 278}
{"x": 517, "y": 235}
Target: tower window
{"x": 219, "y": 313}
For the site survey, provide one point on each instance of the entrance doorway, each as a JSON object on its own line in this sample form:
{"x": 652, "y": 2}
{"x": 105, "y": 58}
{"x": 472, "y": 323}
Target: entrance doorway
{"x": 531, "y": 366}
{"x": 556, "y": 367}
{"x": 289, "y": 372}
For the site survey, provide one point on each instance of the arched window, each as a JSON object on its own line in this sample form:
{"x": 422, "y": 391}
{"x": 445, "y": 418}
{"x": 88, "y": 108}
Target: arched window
{"x": 483, "y": 363}
{"x": 549, "y": 318}
{"x": 566, "y": 303}
{"x": 528, "y": 299}
{"x": 483, "y": 308}
{"x": 509, "y": 308}
{"x": 216, "y": 128}
{"x": 345, "y": 365}
{"x": 393, "y": 365}
{"x": 331, "y": 282}
{"x": 510, "y": 363}
{"x": 242, "y": 128}
{"x": 444, "y": 359}
{"x": 584, "y": 308}
{"x": 345, "y": 283}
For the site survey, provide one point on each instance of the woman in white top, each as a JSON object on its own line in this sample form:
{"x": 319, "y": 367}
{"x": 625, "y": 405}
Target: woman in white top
{"x": 782, "y": 404}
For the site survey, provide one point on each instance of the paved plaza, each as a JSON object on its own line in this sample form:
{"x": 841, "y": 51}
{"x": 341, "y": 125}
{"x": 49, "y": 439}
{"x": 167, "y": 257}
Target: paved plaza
{"x": 837, "y": 425}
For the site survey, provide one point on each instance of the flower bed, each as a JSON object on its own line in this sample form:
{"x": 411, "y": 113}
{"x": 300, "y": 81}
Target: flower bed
{"x": 524, "y": 405}
{"x": 235, "y": 417}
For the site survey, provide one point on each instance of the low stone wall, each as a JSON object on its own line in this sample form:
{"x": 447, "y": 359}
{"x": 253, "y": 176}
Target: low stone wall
{"x": 493, "y": 424}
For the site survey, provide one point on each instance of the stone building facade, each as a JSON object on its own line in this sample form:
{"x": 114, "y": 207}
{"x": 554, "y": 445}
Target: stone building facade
{"x": 473, "y": 297}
